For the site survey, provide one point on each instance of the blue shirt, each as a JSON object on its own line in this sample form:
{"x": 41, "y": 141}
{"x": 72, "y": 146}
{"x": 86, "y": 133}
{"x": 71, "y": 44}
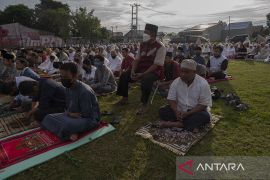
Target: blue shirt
{"x": 28, "y": 72}
{"x": 51, "y": 94}
{"x": 81, "y": 99}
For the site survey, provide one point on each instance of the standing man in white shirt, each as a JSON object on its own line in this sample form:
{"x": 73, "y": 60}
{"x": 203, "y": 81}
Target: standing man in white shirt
{"x": 189, "y": 98}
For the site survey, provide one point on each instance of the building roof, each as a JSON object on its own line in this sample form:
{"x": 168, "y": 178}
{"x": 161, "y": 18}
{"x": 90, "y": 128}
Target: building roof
{"x": 238, "y": 25}
{"x": 201, "y": 27}
{"x": 134, "y": 33}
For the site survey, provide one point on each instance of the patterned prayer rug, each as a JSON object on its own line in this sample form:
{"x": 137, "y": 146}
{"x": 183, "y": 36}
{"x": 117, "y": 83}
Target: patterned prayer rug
{"x": 176, "y": 140}
{"x": 13, "y": 124}
{"x": 213, "y": 81}
{"x": 5, "y": 111}
{"x": 5, "y": 99}
{"x": 31, "y": 148}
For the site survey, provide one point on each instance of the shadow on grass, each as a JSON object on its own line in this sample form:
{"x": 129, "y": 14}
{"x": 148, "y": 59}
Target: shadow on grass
{"x": 230, "y": 120}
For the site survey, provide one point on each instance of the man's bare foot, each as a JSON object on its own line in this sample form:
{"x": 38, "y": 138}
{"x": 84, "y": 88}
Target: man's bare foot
{"x": 35, "y": 124}
{"x": 74, "y": 137}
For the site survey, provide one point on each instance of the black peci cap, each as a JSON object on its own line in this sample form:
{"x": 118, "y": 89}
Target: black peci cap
{"x": 151, "y": 28}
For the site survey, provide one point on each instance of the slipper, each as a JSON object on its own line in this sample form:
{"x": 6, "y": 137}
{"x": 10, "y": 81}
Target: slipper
{"x": 115, "y": 120}
{"x": 106, "y": 113}
{"x": 241, "y": 107}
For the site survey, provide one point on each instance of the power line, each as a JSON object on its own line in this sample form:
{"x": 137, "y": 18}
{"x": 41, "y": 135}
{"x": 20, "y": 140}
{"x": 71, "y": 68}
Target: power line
{"x": 158, "y": 11}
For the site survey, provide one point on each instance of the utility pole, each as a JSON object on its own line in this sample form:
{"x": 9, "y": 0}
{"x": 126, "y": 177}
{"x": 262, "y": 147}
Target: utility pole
{"x": 229, "y": 27}
{"x": 134, "y": 19}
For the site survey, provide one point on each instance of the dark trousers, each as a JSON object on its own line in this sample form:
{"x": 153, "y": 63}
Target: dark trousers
{"x": 146, "y": 85}
{"x": 40, "y": 114}
{"x": 218, "y": 75}
{"x": 6, "y": 88}
{"x": 191, "y": 122}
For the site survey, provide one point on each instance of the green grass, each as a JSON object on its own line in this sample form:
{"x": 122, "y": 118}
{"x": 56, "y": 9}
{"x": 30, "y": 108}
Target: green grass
{"x": 122, "y": 155}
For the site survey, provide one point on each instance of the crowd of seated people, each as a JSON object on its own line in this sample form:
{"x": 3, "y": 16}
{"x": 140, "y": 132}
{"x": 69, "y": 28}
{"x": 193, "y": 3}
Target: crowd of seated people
{"x": 69, "y": 106}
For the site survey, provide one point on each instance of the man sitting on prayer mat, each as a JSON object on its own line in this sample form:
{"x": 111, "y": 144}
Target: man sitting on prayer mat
{"x": 7, "y": 78}
{"x": 147, "y": 67}
{"x": 189, "y": 98}
{"x": 2, "y": 66}
{"x": 89, "y": 71}
{"x": 82, "y": 113}
{"x": 22, "y": 65}
{"x": 171, "y": 72}
{"x": 21, "y": 103}
{"x": 217, "y": 64}
{"x": 48, "y": 96}
{"x": 198, "y": 58}
{"x": 104, "y": 81}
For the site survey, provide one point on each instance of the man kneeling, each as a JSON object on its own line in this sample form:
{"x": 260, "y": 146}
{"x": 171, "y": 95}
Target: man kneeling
{"x": 189, "y": 97}
{"x": 82, "y": 113}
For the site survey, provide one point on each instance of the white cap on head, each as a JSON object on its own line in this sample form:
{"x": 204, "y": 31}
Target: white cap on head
{"x": 189, "y": 64}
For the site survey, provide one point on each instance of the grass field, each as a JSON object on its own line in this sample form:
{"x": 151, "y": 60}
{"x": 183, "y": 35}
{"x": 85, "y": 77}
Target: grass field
{"x": 122, "y": 155}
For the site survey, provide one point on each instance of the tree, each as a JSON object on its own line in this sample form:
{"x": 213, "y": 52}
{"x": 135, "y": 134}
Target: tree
{"x": 104, "y": 33}
{"x": 54, "y": 17}
{"x": 86, "y": 25}
{"x": 18, "y": 13}
{"x": 50, "y": 4}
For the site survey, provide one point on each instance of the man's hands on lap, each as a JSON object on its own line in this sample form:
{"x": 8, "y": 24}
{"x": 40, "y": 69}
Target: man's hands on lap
{"x": 74, "y": 115}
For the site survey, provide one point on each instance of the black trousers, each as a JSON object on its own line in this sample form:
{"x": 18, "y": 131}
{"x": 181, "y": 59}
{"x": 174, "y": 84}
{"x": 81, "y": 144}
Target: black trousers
{"x": 40, "y": 114}
{"x": 218, "y": 75}
{"x": 196, "y": 120}
{"x": 6, "y": 88}
{"x": 146, "y": 85}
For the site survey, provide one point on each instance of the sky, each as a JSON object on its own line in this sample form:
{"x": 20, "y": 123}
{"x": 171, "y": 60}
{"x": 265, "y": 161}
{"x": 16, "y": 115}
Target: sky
{"x": 169, "y": 15}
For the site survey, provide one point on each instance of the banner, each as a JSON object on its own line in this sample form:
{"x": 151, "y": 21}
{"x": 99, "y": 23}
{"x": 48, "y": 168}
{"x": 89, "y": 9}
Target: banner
{"x": 17, "y": 36}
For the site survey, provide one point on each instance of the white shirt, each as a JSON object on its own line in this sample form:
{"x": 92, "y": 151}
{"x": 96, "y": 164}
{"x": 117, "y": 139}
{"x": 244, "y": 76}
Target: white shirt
{"x": 115, "y": 64}
{"x": 90, "y": 76}
{"x": 71, "y": 56}
{"x": 188, "y": 97}
{"x": 225, "y": 52}
{"x": 18, "y": 80}
{"x": 106, "y": 61}
{"x": 231, "y": 51}
{"x": 215, "y": 63}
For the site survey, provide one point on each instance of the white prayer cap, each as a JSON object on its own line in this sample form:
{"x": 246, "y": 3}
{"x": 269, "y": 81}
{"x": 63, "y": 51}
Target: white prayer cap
{"x": 189, "y": 64}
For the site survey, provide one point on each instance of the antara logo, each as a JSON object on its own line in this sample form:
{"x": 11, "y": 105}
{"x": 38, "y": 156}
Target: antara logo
{"x": 187, "y": 167}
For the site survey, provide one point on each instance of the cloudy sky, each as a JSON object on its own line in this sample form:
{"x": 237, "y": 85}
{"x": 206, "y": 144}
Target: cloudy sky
{"x": 170, "y": 15}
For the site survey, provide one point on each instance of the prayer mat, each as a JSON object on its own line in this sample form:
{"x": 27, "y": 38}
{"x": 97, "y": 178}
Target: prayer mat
{"x": 5, "y": 99}
{"x": 176, "y": 140}
{"x": 5, "y": 111}
{"x": 213, "y": 81}
{"x": 13, "y": 124}
{"x": 25, "y": 150}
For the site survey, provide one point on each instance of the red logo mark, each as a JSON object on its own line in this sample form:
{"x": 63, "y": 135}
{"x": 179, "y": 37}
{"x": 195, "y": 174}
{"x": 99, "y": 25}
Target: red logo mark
{"x": 187, "y": 170}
